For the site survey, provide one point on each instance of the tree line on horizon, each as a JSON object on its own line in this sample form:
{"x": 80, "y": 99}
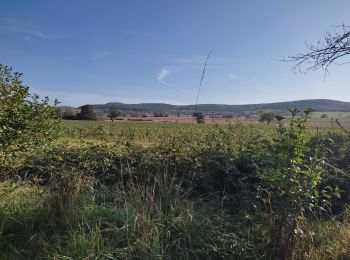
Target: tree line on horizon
{"x": 87, "y": 113}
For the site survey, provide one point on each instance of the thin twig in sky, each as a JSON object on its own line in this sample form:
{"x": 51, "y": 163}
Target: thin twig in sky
{"x": 201, "y": 81}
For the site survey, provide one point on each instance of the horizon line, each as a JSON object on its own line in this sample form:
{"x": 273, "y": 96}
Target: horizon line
{"x": 246, "y": 104}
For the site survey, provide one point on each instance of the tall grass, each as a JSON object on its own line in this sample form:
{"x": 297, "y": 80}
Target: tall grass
{"x": 201, "y": 193}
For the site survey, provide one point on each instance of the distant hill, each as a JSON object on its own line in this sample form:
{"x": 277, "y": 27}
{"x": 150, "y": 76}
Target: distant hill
{"x": 322, "y": 105}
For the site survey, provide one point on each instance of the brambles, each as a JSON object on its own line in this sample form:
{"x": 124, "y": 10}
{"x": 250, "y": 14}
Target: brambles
{"x": 292, "y": 179}
{"x": 208, "y": 191}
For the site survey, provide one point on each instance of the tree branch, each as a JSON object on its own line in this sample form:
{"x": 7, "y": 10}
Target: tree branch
{"x": 332, "y": 47}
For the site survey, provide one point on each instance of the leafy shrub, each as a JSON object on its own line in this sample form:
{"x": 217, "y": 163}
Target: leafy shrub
{"x": 26, "y": 122}
{"x": 291, "y": 183}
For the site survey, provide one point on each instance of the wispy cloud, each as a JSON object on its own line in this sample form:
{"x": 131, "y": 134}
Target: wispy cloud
{"x": 99, "y": 55}
{"x": 163, "y": 73}
{"x": 25, "y": 28}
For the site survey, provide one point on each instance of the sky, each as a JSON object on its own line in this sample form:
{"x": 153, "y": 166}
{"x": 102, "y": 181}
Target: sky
{"x": 137, "y": 51}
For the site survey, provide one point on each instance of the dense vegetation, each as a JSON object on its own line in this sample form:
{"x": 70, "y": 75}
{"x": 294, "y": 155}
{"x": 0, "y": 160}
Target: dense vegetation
{"x": 136, "y": 190}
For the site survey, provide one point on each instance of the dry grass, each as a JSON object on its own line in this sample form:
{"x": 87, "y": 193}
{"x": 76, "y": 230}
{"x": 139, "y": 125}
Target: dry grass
{"x": 324, "y": 240}
{"x": 313, "y": 122}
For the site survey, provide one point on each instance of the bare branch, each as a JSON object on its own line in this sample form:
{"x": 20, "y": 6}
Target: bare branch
{"x": 332, "y": 47}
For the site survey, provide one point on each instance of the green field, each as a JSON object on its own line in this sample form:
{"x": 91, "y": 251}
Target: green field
{"x": 147, "y": 132}
{"x": 230, "y": 169}
{"x": 334, "y": 115}
{"x": 153, "y": 132}
{"x": 162, "y": 190}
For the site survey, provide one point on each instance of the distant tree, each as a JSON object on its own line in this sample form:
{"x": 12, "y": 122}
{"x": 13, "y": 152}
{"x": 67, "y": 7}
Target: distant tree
{"x": 86, "y": 113}
{"x": 267, "y": 117}
{"x": 70, "y": 114}
{"x": 160, "y": 114}
{"x": 114, "y": 113}
{"x": 324, "y": 116}
{"x": 200, "y": 117}
{"x": 334, "y": 46}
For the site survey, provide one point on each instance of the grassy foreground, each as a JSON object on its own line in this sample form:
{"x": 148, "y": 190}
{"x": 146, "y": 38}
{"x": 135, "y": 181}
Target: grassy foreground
{"x": 193, "y": 192}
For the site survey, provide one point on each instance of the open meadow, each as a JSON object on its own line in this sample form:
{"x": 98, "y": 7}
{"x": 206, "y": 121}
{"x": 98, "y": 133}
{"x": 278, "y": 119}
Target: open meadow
{"x": 154, "y": 129}
{"x": 131, "y": 189}
{"x": 174, "y": 130}
{"x": 316, "y": 120}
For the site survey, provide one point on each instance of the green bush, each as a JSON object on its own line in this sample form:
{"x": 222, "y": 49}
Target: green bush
{"x": 26, "y": 122}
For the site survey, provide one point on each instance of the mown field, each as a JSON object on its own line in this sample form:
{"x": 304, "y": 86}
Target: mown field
{"x": 315, "y": 120}
{"x": 151, "y": 133}
{"x": 162, "y": 190}
{"x": 147, "y": 132}
{"x": 142, "y": 132}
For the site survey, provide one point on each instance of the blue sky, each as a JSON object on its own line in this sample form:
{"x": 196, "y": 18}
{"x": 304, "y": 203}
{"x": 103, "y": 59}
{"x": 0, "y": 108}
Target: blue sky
{"x": 153, "y": 50}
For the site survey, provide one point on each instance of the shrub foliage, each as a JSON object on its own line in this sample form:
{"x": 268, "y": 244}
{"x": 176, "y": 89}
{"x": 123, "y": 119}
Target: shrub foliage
{"x": 26, "y": 122}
